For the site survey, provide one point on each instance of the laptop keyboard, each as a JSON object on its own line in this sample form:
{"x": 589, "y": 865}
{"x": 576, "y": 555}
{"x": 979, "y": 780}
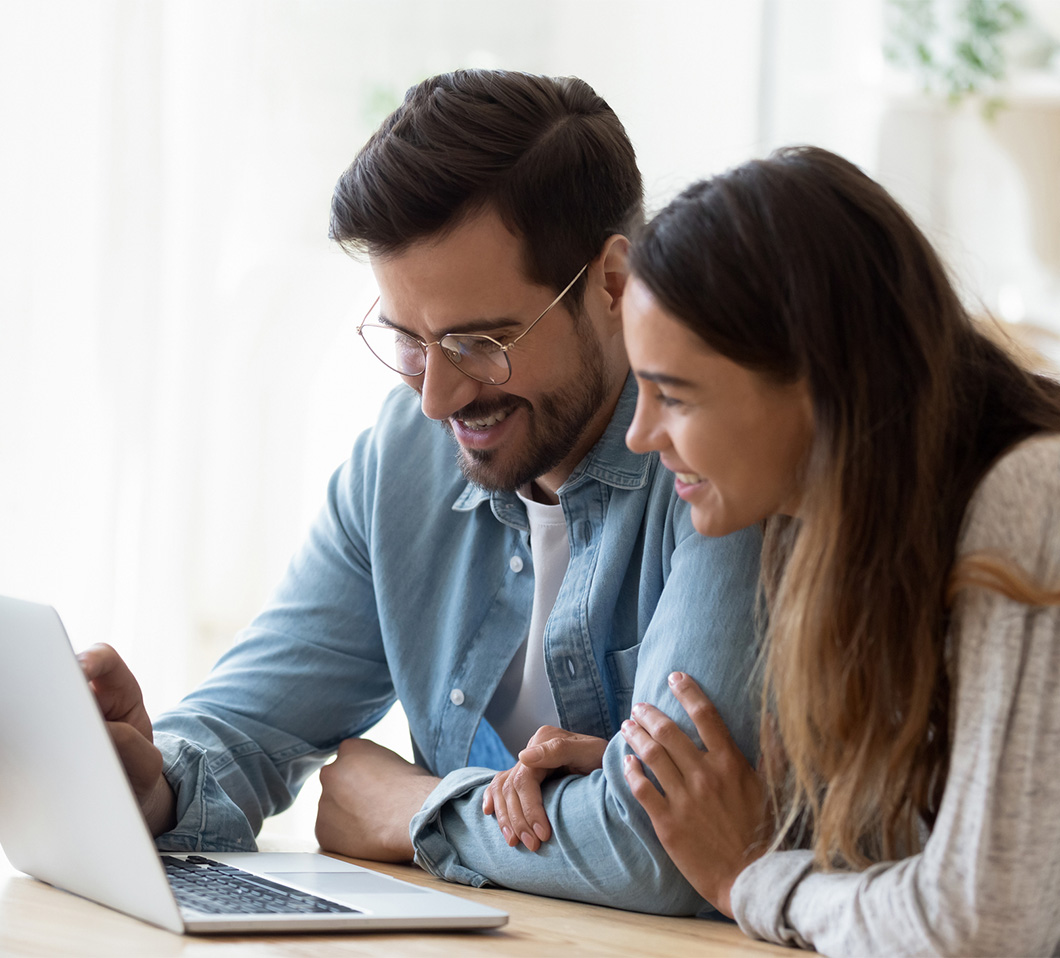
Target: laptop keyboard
{"x": 215, "y": 889}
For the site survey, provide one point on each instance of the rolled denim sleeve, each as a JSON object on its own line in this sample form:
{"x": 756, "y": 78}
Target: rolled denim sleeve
{"x": 603, "y": 848}
{"x": 206, "y": 817}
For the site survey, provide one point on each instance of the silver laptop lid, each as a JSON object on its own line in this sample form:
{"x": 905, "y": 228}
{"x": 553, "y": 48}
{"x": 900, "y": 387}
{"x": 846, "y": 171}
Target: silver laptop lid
{"x": 67, "y": 814}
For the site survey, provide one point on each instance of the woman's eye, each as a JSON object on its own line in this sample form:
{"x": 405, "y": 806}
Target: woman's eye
{"x": 667, "y": 401}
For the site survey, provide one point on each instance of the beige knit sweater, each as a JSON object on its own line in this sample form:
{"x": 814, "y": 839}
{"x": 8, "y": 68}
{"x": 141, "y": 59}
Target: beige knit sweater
{"x": 988, "y": 879}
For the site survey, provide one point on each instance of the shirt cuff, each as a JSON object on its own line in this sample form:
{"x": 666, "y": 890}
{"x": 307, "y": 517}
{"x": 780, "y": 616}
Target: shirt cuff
{"x": 761, "y": 894}
{"x": 434, "y": 852}
{"x": 207, "y": 819}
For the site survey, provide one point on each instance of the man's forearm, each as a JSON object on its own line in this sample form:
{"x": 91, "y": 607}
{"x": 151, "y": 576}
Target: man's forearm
{"x": 602, "y": 850}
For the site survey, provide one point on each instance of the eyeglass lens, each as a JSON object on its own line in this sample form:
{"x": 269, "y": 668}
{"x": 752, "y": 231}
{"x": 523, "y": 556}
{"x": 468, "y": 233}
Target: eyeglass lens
{"x": 475, "y": 356}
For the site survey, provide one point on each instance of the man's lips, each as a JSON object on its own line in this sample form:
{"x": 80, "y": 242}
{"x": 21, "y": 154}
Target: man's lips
{"x": 480, "y": 429}
{"x": 484, "y": 422}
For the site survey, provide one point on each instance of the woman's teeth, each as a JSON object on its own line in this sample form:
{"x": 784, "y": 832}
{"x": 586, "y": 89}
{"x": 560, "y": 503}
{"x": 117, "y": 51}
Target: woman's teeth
{"x": 484, "y": 423}
{"x": 689, "y": 478}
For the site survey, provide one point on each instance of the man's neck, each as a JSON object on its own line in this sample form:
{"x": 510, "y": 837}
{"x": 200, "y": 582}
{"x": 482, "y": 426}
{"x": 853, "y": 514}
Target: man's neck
{"x": 538, "y": 492}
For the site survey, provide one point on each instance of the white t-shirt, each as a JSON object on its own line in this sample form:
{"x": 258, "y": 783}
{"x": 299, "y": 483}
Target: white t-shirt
{"x": 523, "y": 701}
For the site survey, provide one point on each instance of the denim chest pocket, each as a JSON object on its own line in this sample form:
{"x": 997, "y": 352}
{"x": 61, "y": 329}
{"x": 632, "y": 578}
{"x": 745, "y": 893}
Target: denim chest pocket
{"x": 622, "y": 670}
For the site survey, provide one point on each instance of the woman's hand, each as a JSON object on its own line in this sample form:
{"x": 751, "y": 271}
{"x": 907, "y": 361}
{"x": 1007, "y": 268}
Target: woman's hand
{"x": 711, "y": 815}
{"x": 514, "y": 796}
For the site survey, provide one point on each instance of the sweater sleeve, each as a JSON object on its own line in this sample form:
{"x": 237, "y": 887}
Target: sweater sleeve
{"x": 988, "y": 878}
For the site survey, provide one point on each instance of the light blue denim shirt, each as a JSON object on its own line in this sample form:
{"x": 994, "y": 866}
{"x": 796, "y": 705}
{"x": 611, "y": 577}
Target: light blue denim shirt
{"x": 416, "y": 586}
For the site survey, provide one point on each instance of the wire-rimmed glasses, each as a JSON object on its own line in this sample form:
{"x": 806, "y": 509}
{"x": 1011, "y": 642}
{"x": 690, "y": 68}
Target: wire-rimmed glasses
{"x": 476, "y": 355}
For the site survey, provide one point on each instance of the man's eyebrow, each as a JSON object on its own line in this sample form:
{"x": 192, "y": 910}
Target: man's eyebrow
{"x": 664, "y": 379}
{"x": 472, "y": 326}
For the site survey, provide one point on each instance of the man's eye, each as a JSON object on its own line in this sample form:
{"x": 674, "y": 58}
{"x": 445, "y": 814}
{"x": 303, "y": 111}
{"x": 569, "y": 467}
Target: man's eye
{"x": 469, "y": 346}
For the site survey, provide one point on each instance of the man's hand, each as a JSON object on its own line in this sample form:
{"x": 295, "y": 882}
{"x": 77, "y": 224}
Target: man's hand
{"x": 121, "y": 702}
{"x": 514, "y": 796}
{"x": 369, "y": 795}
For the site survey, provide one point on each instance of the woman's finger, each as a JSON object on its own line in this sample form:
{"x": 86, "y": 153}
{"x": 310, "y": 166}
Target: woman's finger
{"x": 642, "y": 788}
{"x": 652, "y": 753}
{"x": 709, "y": 724}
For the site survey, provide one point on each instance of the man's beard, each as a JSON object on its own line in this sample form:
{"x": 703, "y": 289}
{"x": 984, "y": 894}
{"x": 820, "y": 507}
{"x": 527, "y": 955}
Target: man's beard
{"x": 556, "y": 425}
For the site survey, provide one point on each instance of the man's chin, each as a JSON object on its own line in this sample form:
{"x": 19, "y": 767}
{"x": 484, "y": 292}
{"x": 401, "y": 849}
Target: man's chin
{"x": 481, "y": 466}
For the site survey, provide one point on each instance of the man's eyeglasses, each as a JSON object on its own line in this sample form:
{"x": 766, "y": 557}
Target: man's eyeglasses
{"x": 476, "y": 355}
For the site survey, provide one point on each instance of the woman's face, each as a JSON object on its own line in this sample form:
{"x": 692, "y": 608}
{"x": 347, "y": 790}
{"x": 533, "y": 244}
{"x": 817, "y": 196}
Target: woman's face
{"x": 735, "y": 440}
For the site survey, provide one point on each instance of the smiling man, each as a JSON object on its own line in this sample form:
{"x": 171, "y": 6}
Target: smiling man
{"x": 491, "y": 555}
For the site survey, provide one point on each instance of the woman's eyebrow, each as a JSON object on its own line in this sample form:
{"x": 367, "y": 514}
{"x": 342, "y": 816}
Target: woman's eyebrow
{"x": 663, "y": 379}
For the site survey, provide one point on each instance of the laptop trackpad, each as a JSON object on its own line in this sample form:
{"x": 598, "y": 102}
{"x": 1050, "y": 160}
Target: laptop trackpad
{"x": 329, "y": 884}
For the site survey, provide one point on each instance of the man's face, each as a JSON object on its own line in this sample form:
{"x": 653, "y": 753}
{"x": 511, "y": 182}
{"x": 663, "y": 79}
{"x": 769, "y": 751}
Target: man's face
{"x": 565, "y": 377}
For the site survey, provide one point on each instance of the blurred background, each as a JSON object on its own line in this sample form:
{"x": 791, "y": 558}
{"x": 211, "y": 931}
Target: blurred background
{"x": 179, "y": 371}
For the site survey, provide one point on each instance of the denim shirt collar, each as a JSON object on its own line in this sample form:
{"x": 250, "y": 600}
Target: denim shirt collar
{"x": 610, "y": 461}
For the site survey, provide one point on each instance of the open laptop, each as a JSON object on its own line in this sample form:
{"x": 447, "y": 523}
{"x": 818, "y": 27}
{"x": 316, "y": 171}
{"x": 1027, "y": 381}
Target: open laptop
{"x": 69, "y": 818}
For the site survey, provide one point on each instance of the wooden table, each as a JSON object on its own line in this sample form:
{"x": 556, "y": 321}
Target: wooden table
{"x": 36, "y": 919}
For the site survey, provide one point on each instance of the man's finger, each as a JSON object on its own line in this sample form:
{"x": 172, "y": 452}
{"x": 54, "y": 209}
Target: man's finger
{"x": 115, "y": 687}
{"x": 511, "y": 796}
{"x": 579, "y": 753}
{"x": 500, "y": 808}
{"x": 528, "y": 788}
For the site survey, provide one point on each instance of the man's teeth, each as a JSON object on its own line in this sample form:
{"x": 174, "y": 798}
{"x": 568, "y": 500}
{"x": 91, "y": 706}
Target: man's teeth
{"x": 484, "y": 423}
{"x": 689, "y": 478}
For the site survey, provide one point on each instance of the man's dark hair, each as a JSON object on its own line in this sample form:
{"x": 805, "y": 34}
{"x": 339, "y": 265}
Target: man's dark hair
{"x": 547, "y": 154}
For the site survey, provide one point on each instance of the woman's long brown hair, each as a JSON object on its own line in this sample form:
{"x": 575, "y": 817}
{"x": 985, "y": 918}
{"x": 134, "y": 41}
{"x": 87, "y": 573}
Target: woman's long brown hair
{"x": 802, "y": 267}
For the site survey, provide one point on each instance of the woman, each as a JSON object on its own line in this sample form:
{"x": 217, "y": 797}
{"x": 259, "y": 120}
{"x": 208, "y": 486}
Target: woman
{"x": 803, "y": 360}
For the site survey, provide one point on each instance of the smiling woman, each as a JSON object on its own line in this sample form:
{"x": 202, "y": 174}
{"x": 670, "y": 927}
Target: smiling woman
{"x": 804, "y": 362}
{"x": 735, "y": 439}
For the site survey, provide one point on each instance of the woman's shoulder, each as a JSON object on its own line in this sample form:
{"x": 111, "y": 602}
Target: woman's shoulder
{"x": 1017, "y": 503}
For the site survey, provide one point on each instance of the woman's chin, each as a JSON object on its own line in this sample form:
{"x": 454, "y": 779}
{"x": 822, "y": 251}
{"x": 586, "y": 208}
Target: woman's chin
{"x": 714, "y": 523}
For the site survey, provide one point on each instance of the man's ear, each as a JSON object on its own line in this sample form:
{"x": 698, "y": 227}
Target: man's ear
{"x": 611, "y": 267}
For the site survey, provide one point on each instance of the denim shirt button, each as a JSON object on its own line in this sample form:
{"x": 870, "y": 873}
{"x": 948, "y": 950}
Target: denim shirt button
{"x": 571, "y": 669}
{"x": 515, "y": 564}
{"x": 456, "y": 697}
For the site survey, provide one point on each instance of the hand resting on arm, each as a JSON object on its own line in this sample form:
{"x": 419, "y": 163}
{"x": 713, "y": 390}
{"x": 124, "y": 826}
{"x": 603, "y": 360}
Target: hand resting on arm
{"x": 711, "y": 814}
{"x": 514, "y": 795}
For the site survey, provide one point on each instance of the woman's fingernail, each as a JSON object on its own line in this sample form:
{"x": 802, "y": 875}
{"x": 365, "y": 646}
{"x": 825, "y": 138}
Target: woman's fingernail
{"x": 676, "y": 677}
{"x": 539, "y": 831}
{"x": 627, "y": 727}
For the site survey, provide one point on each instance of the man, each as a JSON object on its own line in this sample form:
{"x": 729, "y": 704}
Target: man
{"x": 517, "y": 567}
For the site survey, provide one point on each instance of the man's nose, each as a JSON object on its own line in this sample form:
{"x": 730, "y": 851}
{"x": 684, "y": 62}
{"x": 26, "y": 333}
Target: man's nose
{"x": 443, "y": 388}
